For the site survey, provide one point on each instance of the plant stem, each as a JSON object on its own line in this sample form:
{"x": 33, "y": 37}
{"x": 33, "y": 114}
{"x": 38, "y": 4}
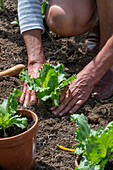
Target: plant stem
{"x": 5, "y": 134}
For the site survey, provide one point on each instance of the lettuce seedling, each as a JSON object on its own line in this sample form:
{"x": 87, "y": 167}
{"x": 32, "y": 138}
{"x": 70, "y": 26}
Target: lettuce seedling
{"x": 7, "y": 113}
{"x": 51, "y": 79}
{"x": 96, "y": 147}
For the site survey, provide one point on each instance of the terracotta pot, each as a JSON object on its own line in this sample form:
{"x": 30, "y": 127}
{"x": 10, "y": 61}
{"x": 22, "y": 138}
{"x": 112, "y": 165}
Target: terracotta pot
{"x": 18, "y": 152}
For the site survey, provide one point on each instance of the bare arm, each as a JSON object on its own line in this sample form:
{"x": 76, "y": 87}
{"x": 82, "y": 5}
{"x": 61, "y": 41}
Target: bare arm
{"x": 31, "y": 26}
{"x": 35, "y": 60}
{"x": 79, "y": 91}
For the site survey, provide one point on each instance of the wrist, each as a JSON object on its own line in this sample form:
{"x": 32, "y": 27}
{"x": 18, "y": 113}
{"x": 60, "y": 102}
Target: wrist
{"x": 36, "y": 62}
{"x": 36, "y": 59}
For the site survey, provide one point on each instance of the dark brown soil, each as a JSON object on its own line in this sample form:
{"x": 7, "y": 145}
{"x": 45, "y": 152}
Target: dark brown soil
{"x": 52, "y": 130}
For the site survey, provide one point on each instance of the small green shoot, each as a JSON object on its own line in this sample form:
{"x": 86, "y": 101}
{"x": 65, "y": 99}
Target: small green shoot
{"x": 7, "y": 113}
{"x": 44, "y": 6}
{"x": 15, "y": 22}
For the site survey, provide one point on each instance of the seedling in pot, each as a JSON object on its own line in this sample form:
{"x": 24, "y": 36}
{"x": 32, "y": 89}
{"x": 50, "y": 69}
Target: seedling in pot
{"x": 50, "y": 81}
{"x": 7, "y": 113}
{"x": 96, "y": 147}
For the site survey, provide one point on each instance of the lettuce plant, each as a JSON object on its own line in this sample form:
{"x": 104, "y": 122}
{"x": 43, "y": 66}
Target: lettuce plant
{"x": 7, "y": 113}
{"x": 51, "y": 79}
{"x": 96, "y": 147}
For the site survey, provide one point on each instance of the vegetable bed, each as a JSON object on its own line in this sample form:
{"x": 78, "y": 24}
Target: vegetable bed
{"x": 53, "y": 130}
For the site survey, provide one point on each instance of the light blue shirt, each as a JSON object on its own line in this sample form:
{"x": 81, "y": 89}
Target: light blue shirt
{"x": 29, "y": 15}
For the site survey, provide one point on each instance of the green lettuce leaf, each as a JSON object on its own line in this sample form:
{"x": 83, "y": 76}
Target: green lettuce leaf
{"x": 3, "y": 107}
{"x": 83, "y": 132}
{"x": 7, "y": 112}
{"x": 95, "y": 146}
{"x": 98, "y": 147}
{"x": 12, "y": 102}
{"x": 21, "y": 122}
{"x": 51, "y": 79}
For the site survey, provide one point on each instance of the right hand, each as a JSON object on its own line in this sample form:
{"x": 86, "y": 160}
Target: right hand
{"x": 74, "y": 95}
{"x": 29, "y": 95}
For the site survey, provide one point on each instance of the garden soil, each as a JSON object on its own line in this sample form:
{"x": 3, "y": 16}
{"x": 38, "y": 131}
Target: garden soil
{"x": 52, "y": 130}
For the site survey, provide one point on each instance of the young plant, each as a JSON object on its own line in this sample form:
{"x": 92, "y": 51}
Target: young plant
{"x": 15, "y": 22}
{"x": 44, "y": 6}
{"x": 51, "y": 79}
{"x": 2, "y": 6}
{"x": 7, "y": 113}
{"x": 96, "y": 147}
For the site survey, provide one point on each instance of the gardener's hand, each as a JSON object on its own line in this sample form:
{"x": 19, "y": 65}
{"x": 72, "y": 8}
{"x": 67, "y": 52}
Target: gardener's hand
{"x": 29, "y": 95}
{"x": 74, "y": 95}
{"x": 36, "y": 59}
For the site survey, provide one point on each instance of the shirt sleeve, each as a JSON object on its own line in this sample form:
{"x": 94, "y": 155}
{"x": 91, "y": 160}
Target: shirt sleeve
{"x": 29, "y": 15}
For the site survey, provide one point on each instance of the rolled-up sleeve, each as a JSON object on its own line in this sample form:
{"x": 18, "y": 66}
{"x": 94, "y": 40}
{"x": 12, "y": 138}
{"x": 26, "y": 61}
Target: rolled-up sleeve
{"x": 29, "y": 15}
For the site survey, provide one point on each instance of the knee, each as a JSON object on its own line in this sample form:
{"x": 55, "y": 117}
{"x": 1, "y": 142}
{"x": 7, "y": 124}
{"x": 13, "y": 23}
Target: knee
{"x": 67, "y": 22}
{"x": 60, "y": 22}
{"x": 56, "y": 19}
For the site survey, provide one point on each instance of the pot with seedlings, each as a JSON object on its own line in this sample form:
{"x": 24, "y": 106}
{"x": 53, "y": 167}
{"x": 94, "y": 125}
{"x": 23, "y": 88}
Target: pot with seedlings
{"x": 18, "y": 129}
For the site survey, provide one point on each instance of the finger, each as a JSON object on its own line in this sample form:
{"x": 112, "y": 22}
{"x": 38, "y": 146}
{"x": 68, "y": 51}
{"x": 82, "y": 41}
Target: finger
{"x": 24, "y": 93}
{"x": 33, "y": 96}
{"x": 76, "y": 107}
{"x": 63, "y": 94}
{"x": 53, "y": 108}
{"x": 61, "y": 98}
{"x": 69, "y": 106}
{"x": 27, "y": 97}
{"x": 63, "y": 104}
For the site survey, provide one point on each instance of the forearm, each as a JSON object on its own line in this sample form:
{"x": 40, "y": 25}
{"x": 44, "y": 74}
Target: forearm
{"x": 34, "y": 46}
{"x": 35, "y": 60}
{"x": 100, "y": 64}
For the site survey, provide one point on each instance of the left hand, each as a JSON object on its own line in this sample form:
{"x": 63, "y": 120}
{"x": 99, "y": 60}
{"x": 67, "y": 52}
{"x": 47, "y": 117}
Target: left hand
{"x": 74, "y": 95}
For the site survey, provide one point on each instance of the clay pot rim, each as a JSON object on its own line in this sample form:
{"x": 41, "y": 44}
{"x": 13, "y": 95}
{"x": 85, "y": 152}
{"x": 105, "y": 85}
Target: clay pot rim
{"x": 27, "y": 131}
